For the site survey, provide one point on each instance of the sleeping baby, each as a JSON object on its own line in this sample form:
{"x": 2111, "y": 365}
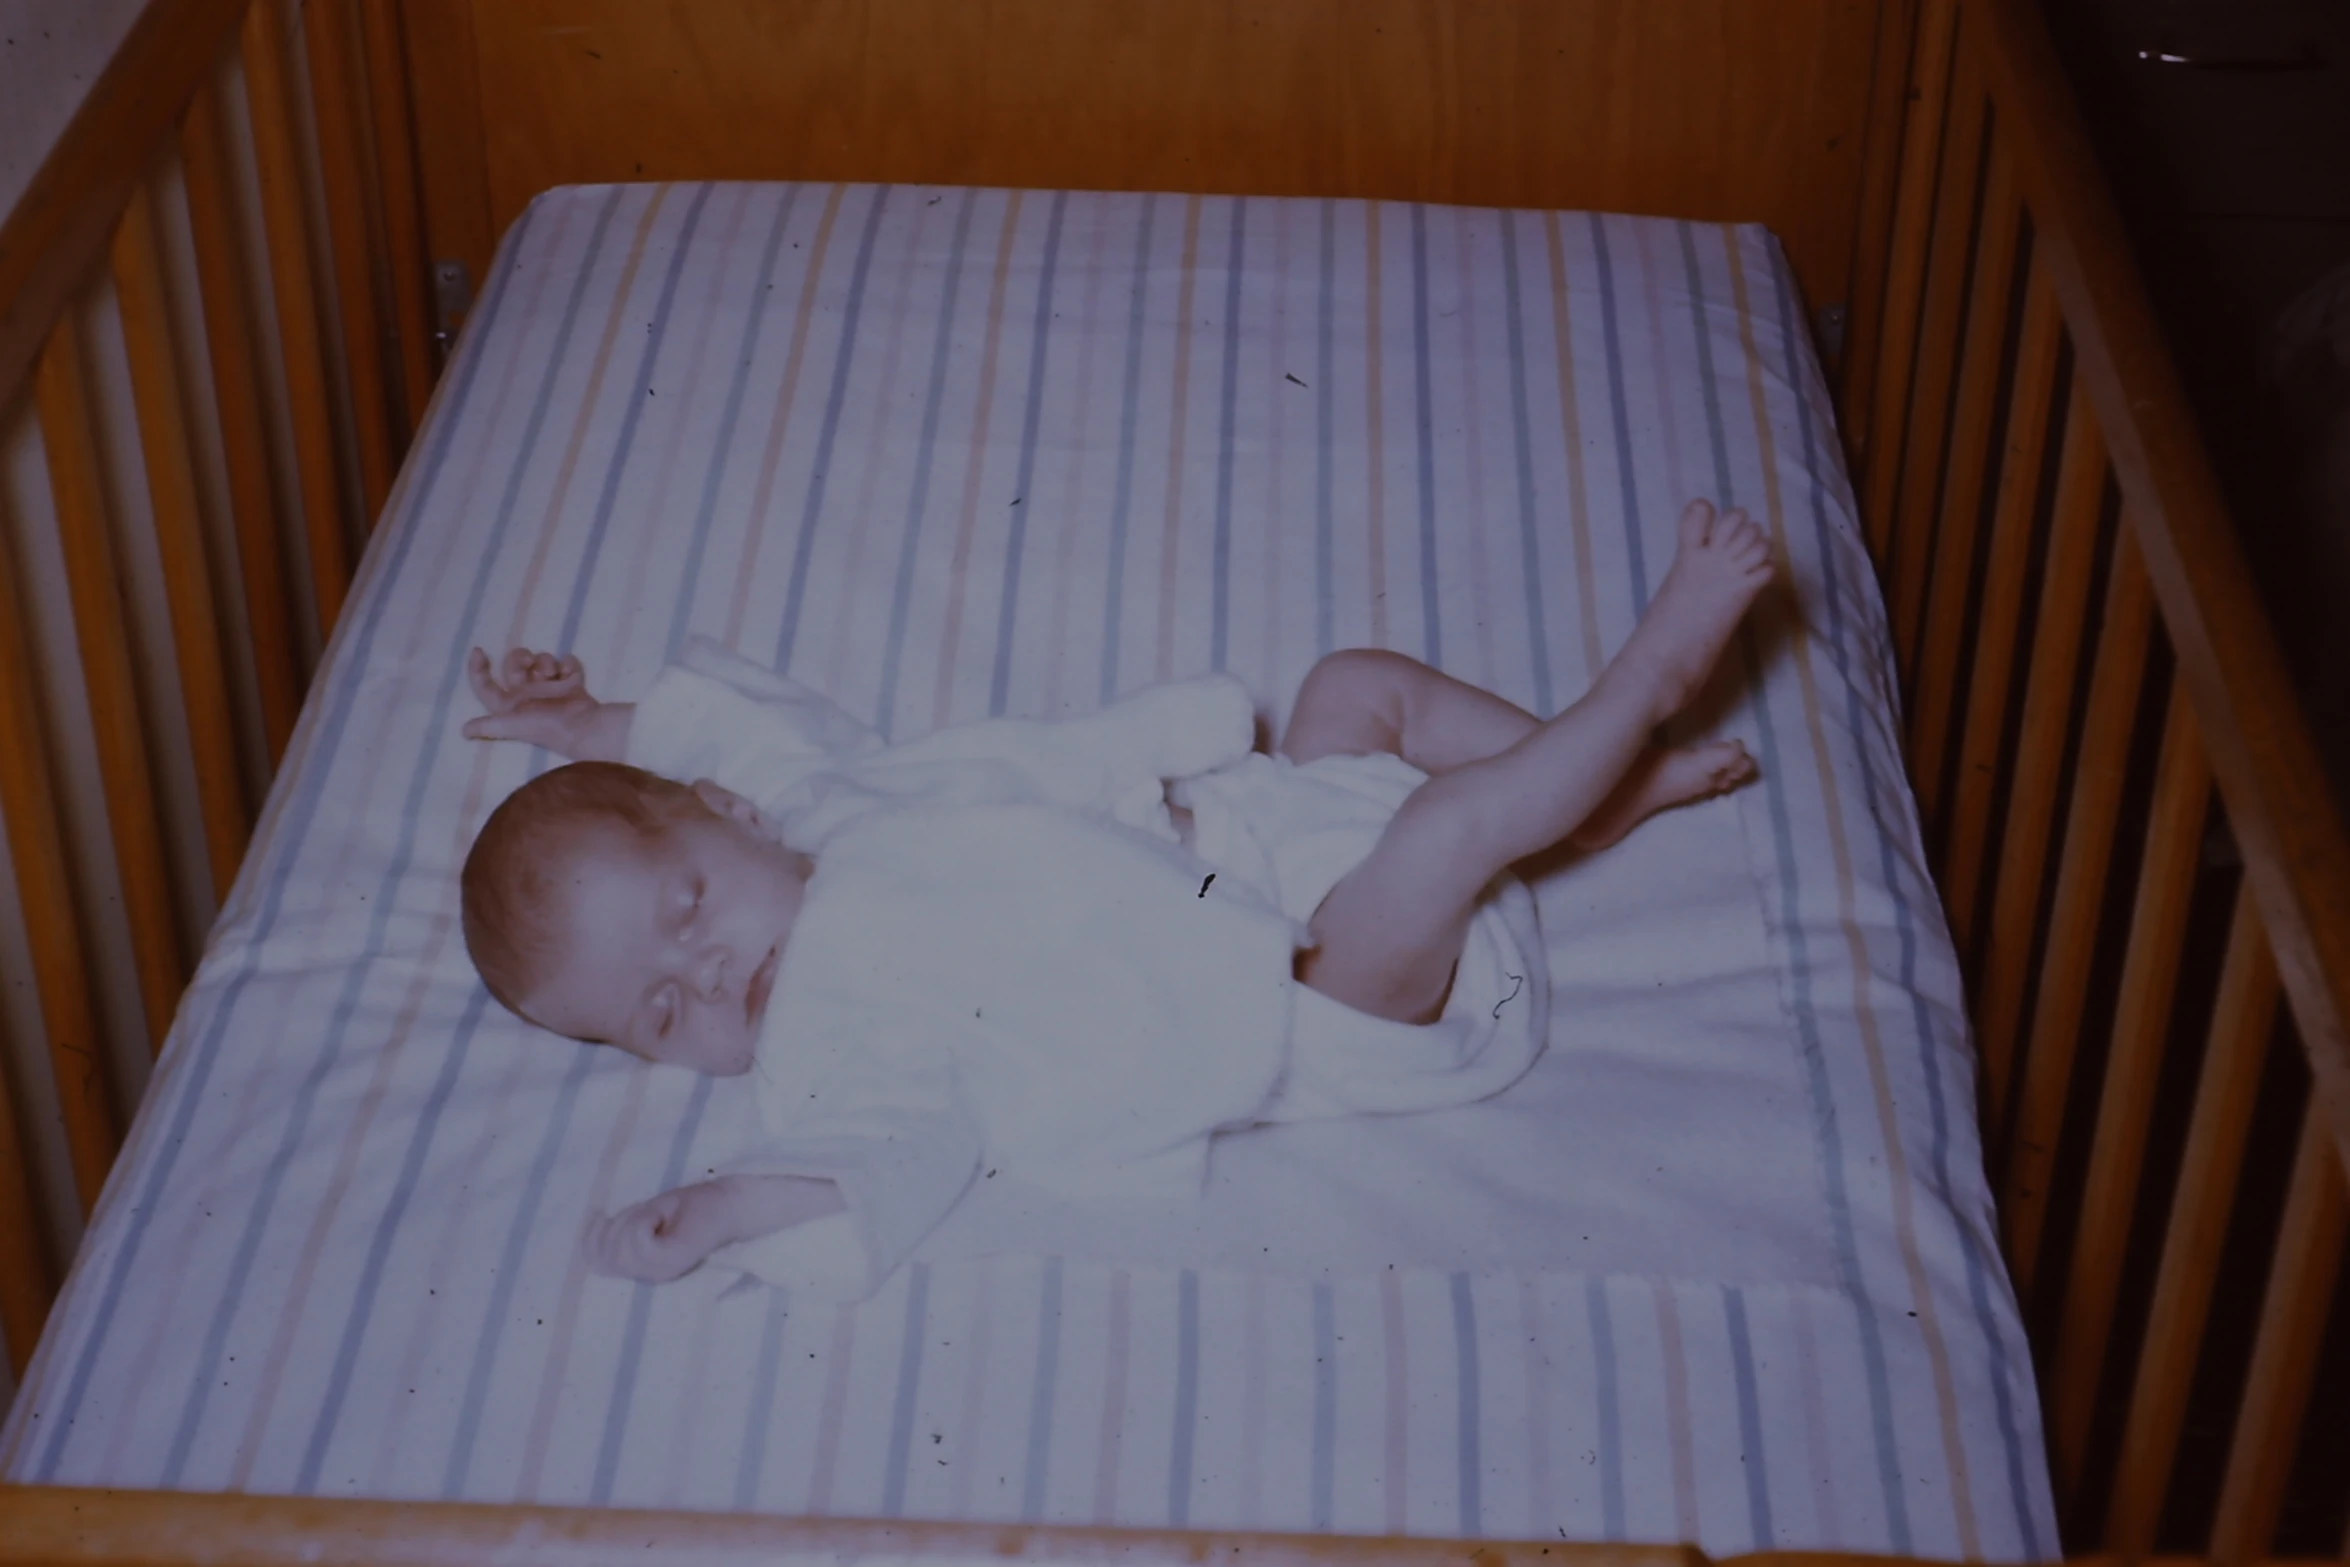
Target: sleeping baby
{"x": 1066, "y": 953}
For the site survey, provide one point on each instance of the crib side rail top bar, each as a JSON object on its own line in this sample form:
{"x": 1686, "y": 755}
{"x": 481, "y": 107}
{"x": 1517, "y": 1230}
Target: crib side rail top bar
{"x": 59, "y": 228}
{"x": 59, "y": 1527}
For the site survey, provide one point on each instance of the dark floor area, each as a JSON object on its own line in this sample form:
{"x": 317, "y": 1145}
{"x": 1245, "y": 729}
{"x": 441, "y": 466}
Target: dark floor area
{"x": 2224, "y": 128}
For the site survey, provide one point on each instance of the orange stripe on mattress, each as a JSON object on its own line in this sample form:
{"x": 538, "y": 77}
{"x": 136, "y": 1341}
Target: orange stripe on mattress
{"x": 1252, "y": 1418}
{"x": 693, "y": 1392}
{"x": 1680, "y": 1432}
{"x": 1863, "y": 1003}
{"x": 420, "y": 983}
{"x": 836, "y": 1398}
{"x": 1171, "y": 525}
{"x": 966, "y": 521}
{"x": 1562, "y": 336}
{"x": 141, "y": 1382}
{"x": 764, "y": 493}
{"x": 1480, "y": 567}
{"x": 681, "y": 389}
{"x": 1277, "y": 326}
{"x": 966, "y": 1449}
{"x": 1113, "y": 1428}
{"x": 1539, "y": 1504}
{"x": 1073, "y": 484}
{"x": 1399, "y": 1404}
{"x": 878, "y": 448}
{"x": 1679, "y": 490}
{"x": 565, "y": 1325}
{"x": 1815, "y": 1429}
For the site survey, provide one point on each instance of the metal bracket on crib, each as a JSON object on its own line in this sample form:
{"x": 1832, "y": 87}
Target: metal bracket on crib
{"x": 452, "y": 296}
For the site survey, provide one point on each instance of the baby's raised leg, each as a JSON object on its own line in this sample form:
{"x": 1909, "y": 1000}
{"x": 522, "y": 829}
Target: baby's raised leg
{"x": 1388, "y": 935}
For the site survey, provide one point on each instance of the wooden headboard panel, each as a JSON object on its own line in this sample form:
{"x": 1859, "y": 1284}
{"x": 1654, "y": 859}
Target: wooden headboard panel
{"x": 1549, "y": 103}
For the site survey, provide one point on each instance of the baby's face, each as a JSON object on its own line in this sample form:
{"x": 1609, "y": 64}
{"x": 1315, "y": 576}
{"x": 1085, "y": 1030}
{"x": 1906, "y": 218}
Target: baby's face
{"x": 673, "y": 941}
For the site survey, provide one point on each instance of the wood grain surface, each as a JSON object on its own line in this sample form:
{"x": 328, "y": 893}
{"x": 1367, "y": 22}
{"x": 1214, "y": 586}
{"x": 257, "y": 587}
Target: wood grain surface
{"x": 1690, "y": 108}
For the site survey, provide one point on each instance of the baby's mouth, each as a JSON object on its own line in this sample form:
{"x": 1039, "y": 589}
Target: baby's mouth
{"x": 762, "y": 983}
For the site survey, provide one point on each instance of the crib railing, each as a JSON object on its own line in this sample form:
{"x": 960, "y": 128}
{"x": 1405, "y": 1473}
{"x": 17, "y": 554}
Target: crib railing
{"x": 2134, "y": 837}
{"x": 223, "y": 345}
{"x": 2143, "y": 869}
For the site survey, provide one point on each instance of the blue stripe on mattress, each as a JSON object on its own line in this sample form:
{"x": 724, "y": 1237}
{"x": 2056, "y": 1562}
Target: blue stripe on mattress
{"x": 1799, "y": 969}
{"x": 1351, "y": 1368}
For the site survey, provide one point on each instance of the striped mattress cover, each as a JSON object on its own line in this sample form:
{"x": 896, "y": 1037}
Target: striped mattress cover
{"x": 1725, "y": 1274}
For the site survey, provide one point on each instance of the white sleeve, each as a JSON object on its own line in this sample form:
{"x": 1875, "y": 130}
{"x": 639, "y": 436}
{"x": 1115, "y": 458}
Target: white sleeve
{"x": 761, "y": 744}
{"x": 886, "y": 1120}
{"x": 900, "y": 1172}
{"x": 1111, "y": 761}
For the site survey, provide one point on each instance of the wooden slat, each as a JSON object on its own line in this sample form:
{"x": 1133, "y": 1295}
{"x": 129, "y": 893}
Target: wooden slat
{"x": 2040, "y": 751}
{"x": 2280, "y": 798}
{"x": 236, "y": 389}
{"x": 296, "y": 295}
{"x": 337, "y": 97}
{"x": 45, "y": 889}
{"x": 27, "y": 1283}
{"x": 1932, "y": 381}
{"x": 1948, "y": 624}
{"x": 1893, "y": 76}
{"x": 408, "y": 266}
{"x": 1926, "y": 432}
{"x": 2293, "y": 1313}
{"x": 2090, "y": 823}
{"x": 187, "y": 578}
{"x": 2011, "y": 561}
{"x": 1924, "y": 137}
{"x": 2133, "y": 1066}
{"x": 58, "y": 229}
{"x": 99, "y": 628}
{"x": 44, "y": 894}
{"x": 2237, "y": 1049}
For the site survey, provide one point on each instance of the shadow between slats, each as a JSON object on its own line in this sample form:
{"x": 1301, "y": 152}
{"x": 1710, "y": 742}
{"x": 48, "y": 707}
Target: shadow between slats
{"x": 1916, "y": 486}
{"x": 1976, "y": 457}
{"x": 1923, "y": 133}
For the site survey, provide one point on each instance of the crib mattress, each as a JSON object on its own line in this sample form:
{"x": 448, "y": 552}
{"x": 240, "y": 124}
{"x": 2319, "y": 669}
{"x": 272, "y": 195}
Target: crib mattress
{"x": 1720, "y": 1269}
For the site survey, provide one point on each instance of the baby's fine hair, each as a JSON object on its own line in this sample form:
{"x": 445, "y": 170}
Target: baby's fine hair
{"x": 511, "y": 906}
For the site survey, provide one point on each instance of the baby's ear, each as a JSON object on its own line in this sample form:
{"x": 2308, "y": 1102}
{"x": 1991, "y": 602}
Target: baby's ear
{"x": 725, "y": 802}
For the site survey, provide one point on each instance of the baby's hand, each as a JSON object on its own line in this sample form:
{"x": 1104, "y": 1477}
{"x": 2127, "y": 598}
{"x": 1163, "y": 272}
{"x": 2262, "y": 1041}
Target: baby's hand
{"x": 663, "y": 1237}
{"x": 543, "y": 699}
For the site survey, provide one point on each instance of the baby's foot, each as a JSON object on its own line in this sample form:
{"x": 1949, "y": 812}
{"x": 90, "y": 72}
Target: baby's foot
{"x": 1662, "y": 779}
{"x": 1723, "y": 563}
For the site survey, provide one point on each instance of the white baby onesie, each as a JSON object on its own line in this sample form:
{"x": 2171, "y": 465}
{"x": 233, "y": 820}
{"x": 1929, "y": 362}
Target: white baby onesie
{"x": 1007, "y": 959}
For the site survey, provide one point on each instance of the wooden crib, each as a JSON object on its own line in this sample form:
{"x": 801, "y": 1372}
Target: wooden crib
{"x": 268, "y": 225}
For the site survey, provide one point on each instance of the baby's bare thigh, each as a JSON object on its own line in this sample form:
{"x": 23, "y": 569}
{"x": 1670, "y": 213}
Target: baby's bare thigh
{"x": 1389, "y": 935}
{"x": 1351, "y": 703}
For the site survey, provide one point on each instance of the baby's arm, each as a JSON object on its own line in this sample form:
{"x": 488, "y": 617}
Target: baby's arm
{"x": 670, "y": 1235}
{"x": 543, "y": 699}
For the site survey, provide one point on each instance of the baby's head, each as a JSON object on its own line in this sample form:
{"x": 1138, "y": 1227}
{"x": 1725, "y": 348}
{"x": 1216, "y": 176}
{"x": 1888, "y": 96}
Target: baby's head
{"x": 617, "y": 906}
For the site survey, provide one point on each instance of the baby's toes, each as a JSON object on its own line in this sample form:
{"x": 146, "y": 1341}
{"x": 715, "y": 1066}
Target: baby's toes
{"x": 1697, "y": 521}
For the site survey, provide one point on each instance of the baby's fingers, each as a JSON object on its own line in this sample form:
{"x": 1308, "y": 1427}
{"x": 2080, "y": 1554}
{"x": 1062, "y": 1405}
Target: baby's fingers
{"x": 498, "y": 726}
{"x": 485, "y": 685}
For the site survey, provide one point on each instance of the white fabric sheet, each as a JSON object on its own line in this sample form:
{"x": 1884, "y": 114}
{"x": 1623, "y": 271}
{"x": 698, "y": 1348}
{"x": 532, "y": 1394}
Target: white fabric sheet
{"x": 1720, "y": 1269}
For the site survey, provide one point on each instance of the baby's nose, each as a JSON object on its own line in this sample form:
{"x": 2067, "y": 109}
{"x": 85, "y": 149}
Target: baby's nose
{"x": 709, "y": 972}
